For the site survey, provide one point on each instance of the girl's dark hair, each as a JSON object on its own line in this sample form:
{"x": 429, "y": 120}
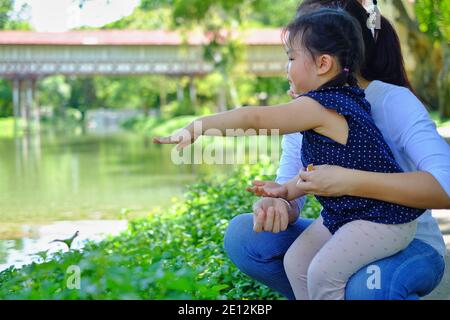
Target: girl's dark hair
{"x": 329, "y": 31}
{"x": 383, "y": 57}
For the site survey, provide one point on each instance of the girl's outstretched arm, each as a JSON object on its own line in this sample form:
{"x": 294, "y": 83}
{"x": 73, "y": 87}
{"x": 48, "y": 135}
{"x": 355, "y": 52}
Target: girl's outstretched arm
{"x": 299, "y": 115}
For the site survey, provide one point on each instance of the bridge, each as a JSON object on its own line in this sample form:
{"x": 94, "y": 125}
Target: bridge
{"x": 26, "y": 57}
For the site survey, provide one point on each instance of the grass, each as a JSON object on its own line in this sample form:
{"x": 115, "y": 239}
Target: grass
{"x": 177, "y": 254}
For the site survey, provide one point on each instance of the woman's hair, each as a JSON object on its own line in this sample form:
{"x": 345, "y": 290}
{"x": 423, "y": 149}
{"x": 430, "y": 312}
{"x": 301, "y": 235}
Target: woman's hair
{"x": 329, "y": 31}
{"x": 383, "y": 56}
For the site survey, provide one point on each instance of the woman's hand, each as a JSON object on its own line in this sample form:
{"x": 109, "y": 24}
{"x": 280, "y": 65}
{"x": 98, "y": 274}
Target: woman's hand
{"x": 182, "y": 137}
{"x": 268, "y": 189}
{"x": 326, "y": 180}
{"x": 272, "y": 215}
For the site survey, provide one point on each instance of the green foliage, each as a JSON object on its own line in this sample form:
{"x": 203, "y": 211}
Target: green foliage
{"x": 6, "y": 106}
{"x": 434, "y": 18}
{"x": 159, "y": 92}
{"x": 10, "y": 19}
{"x": 141, "y": 123}
{"x": 54, "y": 91}
{"x": 251, "y": 12}
{"x": 5, "y": 7}
{"x": 144, "y": 20}
{"x": 175, "y": 255}
{"x": 154, "y": 126}
{"x": 167, "y": 127}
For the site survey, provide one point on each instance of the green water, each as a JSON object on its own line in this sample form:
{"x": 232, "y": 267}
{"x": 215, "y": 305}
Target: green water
{"x": 61, "y": 181}
{"x": 74, "y": 176}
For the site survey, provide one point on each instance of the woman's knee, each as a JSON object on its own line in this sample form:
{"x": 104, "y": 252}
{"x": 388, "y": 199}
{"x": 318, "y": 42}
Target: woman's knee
{"x": 409, "y": 274}
{"x": 365, "y": 284}
{"x": 238, "y": 230}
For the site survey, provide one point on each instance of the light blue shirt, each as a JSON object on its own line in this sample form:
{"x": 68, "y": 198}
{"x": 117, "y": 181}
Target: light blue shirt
{"x": 412, "y": 137}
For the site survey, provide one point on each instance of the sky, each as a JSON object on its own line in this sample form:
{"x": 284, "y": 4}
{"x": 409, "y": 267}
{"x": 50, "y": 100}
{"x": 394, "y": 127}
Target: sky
{"x": 62, "y": 15}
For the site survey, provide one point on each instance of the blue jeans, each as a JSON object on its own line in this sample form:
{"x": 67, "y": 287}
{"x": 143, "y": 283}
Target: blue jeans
{"x": 407, "y": 275}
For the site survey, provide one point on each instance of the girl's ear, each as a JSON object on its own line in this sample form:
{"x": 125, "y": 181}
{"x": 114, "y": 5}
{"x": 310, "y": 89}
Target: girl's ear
{"x": 324, "y": 63}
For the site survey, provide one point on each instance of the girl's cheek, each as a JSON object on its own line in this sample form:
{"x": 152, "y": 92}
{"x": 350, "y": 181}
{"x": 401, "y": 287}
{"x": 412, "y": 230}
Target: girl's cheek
{"x": 306, "y": 65}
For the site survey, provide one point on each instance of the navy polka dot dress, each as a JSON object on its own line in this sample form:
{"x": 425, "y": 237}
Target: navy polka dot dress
{"x": 365, "y": 150}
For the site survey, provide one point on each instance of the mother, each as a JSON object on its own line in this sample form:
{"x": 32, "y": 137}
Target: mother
{"x": 417, "y": 147}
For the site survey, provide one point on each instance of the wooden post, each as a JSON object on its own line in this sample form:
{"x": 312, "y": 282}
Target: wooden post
{"x": 16, "y": 102}
{"x": 28, "y": 102}
{"x": 35, "y": 103}
{"x": 22, "y": 103}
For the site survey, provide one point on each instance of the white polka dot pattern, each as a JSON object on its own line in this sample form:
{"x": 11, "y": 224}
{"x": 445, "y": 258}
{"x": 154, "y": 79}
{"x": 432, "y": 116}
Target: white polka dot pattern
{"x": 365, "y": 150}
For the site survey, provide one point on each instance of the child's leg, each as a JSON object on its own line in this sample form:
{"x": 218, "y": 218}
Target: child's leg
{"x": 300, "y": 254}
{"x": 354, "y": 245}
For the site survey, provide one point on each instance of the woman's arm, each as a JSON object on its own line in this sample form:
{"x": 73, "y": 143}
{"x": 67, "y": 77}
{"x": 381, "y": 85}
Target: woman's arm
{"x": 414, "y": 189}
{"x": 413, "y": 131}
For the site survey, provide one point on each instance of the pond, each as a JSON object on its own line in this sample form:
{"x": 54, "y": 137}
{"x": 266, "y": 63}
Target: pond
{"x": 89, "y": 182}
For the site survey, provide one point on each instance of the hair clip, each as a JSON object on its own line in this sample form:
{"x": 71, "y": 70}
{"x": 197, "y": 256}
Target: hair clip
{"x": 374, "y": 19}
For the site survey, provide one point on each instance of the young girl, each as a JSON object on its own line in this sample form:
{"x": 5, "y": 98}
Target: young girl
{"x": 325, "y": 50}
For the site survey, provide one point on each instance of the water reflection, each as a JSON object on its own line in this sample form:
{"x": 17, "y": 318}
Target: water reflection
{"x": 58, "y": 176}
{"x": 80, "y": 177}
{"x": 71, "y": 175}
{"x": 26, "y": 250}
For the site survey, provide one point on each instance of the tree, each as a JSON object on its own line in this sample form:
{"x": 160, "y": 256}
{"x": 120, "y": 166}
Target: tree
{"x": 221, "y": 20}
{"x": 11, "y": 20}
{"x": 434, "y": 20}
{"x": 5, "y": 8}
{"x": 428, "y": 37}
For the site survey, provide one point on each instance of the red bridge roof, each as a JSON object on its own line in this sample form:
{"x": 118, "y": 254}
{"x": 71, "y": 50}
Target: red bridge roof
{"x": 128, "y": 37}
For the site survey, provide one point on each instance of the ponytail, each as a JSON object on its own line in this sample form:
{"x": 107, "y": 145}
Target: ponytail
{"x": 384, "y": 60}
{"x": 383, "y": 55}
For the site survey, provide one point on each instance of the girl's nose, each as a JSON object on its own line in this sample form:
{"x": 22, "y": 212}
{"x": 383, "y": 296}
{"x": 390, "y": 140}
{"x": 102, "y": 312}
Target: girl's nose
{"x": 288, "y": 66}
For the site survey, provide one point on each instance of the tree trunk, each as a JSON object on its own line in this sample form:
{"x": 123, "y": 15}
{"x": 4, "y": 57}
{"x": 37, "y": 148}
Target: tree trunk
{"x": 428, "y": 58}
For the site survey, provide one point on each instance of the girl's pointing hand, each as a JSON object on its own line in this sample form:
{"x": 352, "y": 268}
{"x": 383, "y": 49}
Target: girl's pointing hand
{"x": 182, "y": 138}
